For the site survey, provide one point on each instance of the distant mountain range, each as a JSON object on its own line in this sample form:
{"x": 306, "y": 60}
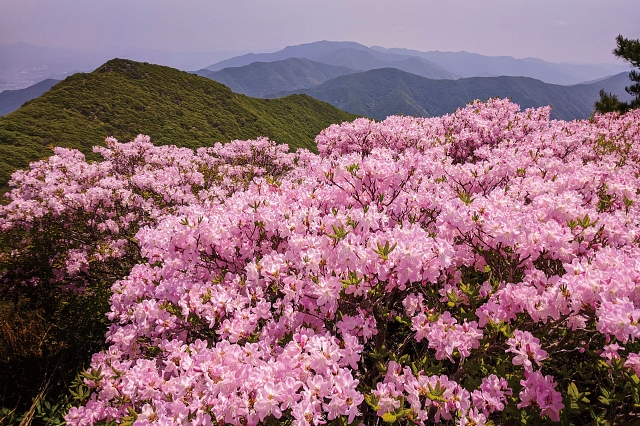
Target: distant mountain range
{"x": 395, "y": 83}
{"x": 308, "y": 50}
{"x": 436, "y": 65}
{"x": 468, "y": 64}
{"x": 261, "y": 79}
{"x": 123, "y": 98}
{"x": 402, "y": 81}
{"x": 11, "y": 100}
{"x": 346, "y": 54}
{"x": 382, "y": 92}
{"x": 22, "y": 64}
{"x": 365, "y": 60}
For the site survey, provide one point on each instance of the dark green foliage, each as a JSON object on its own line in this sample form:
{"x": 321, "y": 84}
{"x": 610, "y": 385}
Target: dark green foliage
{"x": 47, "y": 334}
{"x": 123, "y": 98}
{"x": 609, "y": 102}
{"x": 629, "y": 50}
{"x": 46, "y": 338}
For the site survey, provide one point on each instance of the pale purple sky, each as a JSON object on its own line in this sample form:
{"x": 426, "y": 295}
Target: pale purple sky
{"x": 553, "y": 30}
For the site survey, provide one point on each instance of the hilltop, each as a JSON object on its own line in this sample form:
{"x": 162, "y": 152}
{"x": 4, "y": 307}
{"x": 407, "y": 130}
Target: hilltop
{"x": 123, "y": 98}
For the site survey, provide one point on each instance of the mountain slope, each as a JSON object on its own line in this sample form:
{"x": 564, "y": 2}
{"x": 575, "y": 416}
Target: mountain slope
{"x": 263, "y": 78}
{"x": 383, "y": 92}
{"x": 11, "y": 100}
{"x": 615, "y": 84}
{"x": 123, "y": 98}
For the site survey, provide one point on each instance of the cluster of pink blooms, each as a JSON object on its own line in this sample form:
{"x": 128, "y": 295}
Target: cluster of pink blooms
{"x": 276, "y": 285}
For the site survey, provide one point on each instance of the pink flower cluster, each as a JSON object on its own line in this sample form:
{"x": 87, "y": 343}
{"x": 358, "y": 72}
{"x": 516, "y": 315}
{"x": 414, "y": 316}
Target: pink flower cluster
{"x": 96, "y": 208}
{"x": 390, "y": 276}
{"x": 539, "y": 390}
{"x": 424, "y": 394}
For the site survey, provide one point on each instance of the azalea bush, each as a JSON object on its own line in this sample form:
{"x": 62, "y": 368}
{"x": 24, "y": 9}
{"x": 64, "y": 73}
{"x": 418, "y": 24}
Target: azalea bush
{"x": 474, "y": 268}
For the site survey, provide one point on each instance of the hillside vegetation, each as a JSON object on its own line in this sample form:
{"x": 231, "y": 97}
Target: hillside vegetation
{"x": 123, "y": 98}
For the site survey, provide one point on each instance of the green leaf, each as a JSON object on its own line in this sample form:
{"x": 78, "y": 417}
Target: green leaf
{"x": 384, "y": 251}
{"x": 352, "y": 279}
{"x": 338, "y": 233}
{"x": 389, "y": 417}
{"x": 572, "y": 390}
{"x": 404, "y": 359}
{"x": 435, "y": 393}
{"x": 372, "y": 401}
{"x": 465, "y": 197}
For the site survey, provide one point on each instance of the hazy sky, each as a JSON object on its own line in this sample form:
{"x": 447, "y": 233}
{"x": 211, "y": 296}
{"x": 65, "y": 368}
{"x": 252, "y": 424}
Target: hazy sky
{"x": 554, "y": 30}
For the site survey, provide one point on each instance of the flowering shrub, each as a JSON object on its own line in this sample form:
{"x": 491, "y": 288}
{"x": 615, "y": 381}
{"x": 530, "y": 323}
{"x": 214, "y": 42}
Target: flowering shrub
{"x": 474, "y": 268}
